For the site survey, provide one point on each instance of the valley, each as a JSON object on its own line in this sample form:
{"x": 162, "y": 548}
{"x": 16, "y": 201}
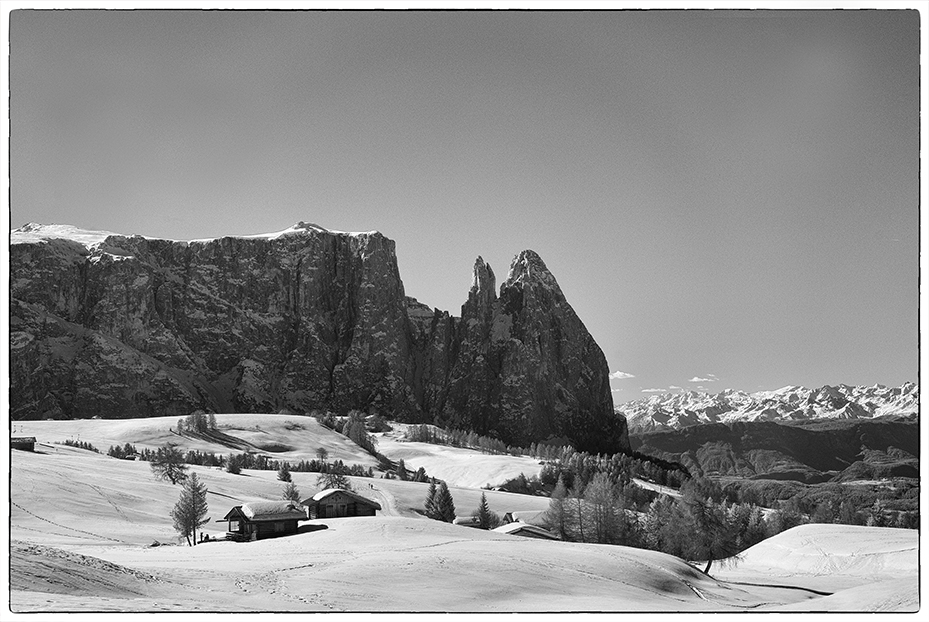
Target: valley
{"x": 92, "y": 533}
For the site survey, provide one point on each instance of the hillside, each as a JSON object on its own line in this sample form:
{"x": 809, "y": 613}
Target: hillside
{"x": 285, "y": 437}
{"x": 84, "y": 528}
{"x": 812, "y": 452}
{"x": 838, "y": 559}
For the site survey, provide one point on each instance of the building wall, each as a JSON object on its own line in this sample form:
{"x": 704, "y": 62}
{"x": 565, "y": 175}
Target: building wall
{"x": 339, "y": 505}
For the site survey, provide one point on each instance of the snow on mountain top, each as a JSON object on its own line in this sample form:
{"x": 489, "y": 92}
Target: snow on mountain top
{"x": 790, "y": 403}
{"x": 300, "y": 227}
{"x": 38, "y": 233}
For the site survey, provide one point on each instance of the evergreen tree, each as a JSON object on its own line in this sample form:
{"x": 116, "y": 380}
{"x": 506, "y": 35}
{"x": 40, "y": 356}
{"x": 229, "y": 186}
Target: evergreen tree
{"x": 190, "y": 510}
{"x": 445, "y": 504}
{"x": 211, "y": 421}
{"x": 486, "y": 518}
{"x": 168, "y": 464}
{"x": 876, "y": 516}
{"x": 432, "y": 510}
{"x": 234, "y": 465}
{"x": 283, "y": 474}
{"x": 291, "y": 492}
{"x": 401, "y": 470}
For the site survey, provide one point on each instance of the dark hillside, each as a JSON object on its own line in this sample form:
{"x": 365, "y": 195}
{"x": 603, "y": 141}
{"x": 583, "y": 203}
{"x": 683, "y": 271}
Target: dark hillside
{"x": 813, "y": 452}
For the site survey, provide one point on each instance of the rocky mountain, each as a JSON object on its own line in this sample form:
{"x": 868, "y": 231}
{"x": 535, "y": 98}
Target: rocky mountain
{"x": 811, "y": 451}
{"x": 790, "y": 404}
{"x": 114, "y": 326}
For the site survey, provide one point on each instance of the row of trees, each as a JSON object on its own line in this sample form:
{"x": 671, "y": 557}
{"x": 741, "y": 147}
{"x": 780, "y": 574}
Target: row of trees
{"x": 80, "y": 445}
{"x": 558, "y": 460}
{"x": 197, "y": 422}
{"x": 416, "y": 476}
{"x": 126, "y": 451}
{"x": 694, "y": 527}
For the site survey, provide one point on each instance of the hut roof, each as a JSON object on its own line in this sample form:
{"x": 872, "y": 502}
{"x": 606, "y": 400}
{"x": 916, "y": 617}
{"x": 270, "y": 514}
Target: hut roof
{"x": 322, "y": 494}
{"x": 273, "y": 510}
{"x": 515, "y": 527}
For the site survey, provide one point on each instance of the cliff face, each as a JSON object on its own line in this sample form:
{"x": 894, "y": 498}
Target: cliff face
{"x": 115, "y": 326}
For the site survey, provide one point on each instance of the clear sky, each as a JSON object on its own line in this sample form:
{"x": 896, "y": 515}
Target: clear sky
{"x": 727, "y": 199}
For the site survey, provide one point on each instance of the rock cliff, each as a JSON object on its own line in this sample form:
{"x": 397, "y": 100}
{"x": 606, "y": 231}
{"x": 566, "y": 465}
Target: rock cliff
{"x": 126, "y": 326}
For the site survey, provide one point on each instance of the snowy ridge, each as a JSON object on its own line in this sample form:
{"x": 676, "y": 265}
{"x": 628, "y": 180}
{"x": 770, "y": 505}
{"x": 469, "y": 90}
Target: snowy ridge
{"x": 791, "y": 403}
{"x": 34, "y": 233}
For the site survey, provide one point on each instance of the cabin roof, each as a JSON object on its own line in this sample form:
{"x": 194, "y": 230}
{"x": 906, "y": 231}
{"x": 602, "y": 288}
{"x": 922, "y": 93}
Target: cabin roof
{"x": 322, "y": 494}
{"x": 514, "y": 527}
{"x": 259, "y": 511}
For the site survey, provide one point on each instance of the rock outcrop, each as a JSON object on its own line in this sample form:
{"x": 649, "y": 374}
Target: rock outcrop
{"x": 125, "y": 326}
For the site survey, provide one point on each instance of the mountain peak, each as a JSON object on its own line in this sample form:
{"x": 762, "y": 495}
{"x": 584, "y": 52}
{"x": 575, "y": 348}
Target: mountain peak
{"x": 790, "y": 403}
{"x": 528, "y": 267}
{"x": 483, "y": 282}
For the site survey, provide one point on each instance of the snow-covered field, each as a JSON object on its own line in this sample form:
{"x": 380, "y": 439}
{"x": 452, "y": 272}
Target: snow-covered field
{"x": 461, "y": 467}
{"x": 83, "y": 526}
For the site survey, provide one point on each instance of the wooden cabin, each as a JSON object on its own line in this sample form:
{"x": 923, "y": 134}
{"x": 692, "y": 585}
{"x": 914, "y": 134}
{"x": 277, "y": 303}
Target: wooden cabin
{"x": 23, "y": 443}
{"x": 336, "y": 503}
{"x": 263, "y": 519}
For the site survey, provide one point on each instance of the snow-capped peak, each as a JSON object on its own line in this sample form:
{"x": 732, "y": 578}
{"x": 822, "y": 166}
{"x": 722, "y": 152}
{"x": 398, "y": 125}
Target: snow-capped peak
{"x": 790, "y": 403}
{"x": 38, "y": 233}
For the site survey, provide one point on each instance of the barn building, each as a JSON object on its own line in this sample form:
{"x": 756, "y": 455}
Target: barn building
{"x": 23, "y": 443}
{"x": 336, "y": 503}
{"x": 263, "y": 519}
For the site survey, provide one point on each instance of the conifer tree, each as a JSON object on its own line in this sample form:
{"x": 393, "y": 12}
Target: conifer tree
{"x": 432, "y": 510}
{"x": 283, "y": 474}
{"x": 445, "y": 504}
{"x": 486, "y": 519}
{"x": 190, "y": 510}
{"x": 290, "y": 492}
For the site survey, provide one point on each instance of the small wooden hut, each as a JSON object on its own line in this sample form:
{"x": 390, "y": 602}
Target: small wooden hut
{"x": 263, "y": 519}
{"x": 336, "y": 503}
{"x": 23, "y": 443}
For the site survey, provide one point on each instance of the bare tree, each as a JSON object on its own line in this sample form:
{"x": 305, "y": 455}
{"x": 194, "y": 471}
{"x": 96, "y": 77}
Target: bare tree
{"x": 168, "y": 464}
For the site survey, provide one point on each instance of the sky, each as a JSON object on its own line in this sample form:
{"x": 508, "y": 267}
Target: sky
{"x": 728, "y": 199}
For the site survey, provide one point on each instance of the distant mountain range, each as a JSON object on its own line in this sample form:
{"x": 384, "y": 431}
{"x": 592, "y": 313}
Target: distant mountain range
{"x": 674, "y": 411}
